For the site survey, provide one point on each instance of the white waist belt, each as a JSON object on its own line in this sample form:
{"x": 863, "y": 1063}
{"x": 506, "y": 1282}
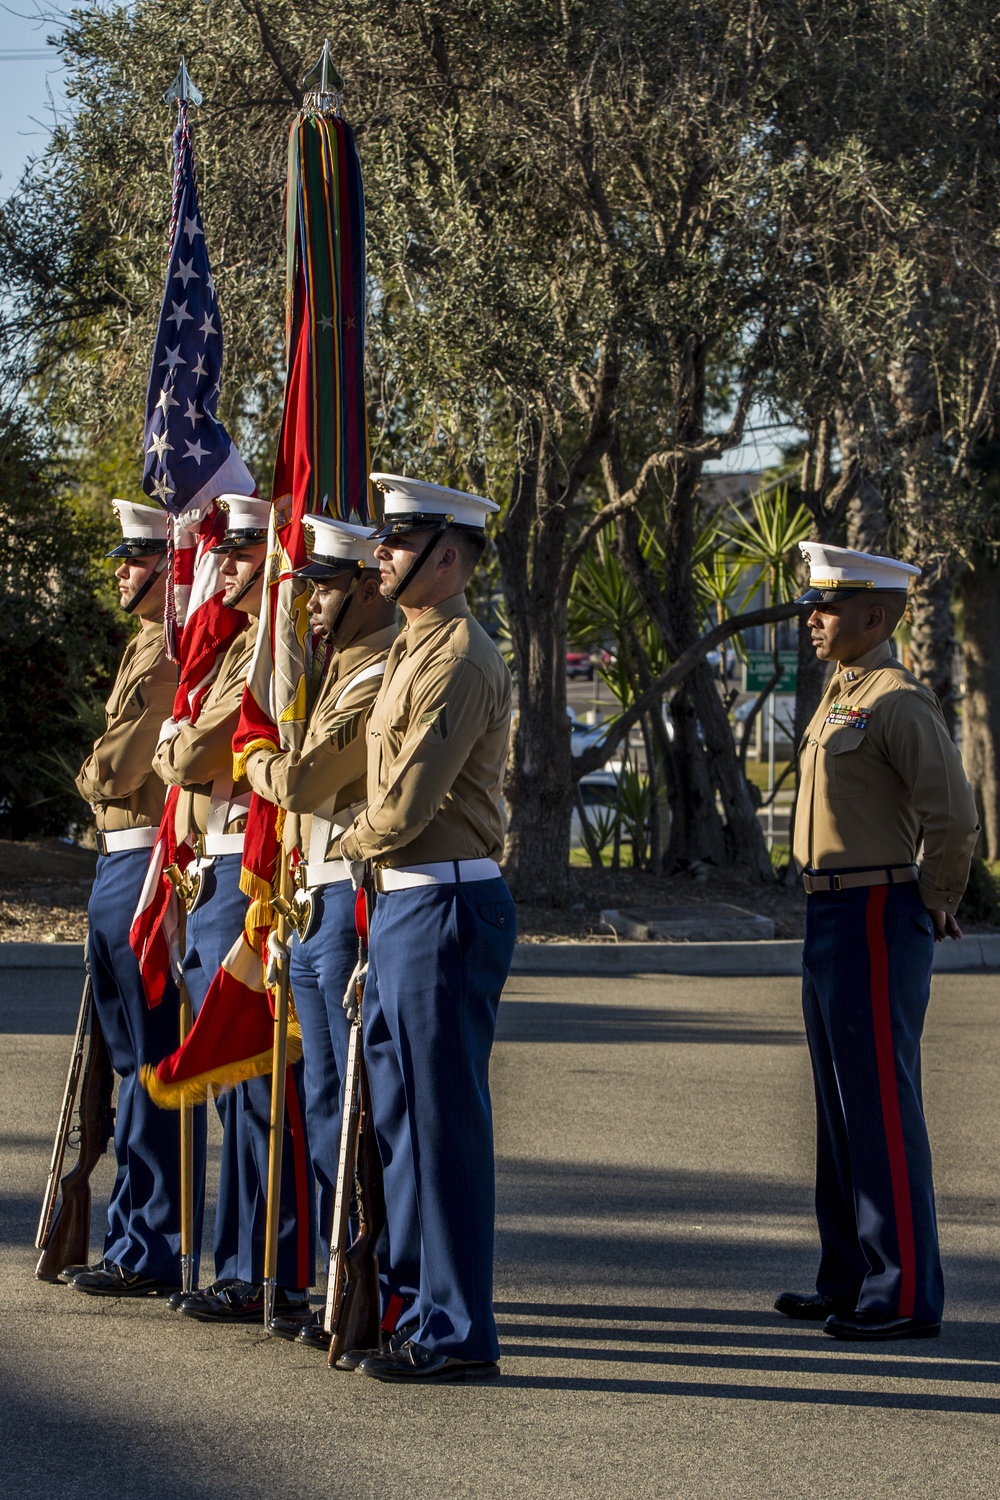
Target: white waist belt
{"x": 221, "y": 843}
{"x": 329, "y": 872}
{"x": 445, "y": 872}
{"x": 126, "y": 838}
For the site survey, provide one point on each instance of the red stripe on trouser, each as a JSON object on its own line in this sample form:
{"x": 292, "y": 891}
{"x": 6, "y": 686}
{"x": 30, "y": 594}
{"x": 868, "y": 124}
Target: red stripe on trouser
{"x": 393, "y": 1309}
{"x": 302, "y": 1186}
{"x": 885, "y": 1058}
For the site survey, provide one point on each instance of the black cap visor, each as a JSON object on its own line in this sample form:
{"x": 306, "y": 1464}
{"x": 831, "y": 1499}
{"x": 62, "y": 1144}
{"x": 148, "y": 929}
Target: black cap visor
{"x": 833, "y": 596}
{"x": 251, "y": 536}
{"x": 321, "y": 568}
{"x": 419, "y": 520}
{"x": 139, "y": 546}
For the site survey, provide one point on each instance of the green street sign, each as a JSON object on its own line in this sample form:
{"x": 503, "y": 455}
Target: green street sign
{"x": 759, "y": 670}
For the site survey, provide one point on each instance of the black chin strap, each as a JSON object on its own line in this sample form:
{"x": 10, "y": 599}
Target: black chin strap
{"x": 412, "y": 571}
{"x": 342, "y": 611}
{"x": 232, "y": 603}
{"x": 144, "y": 588}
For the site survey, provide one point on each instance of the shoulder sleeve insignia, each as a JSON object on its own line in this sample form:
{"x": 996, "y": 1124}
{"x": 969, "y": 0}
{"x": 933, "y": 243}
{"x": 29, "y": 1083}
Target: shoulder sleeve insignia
{"x": 345, "y": 728}
{"x": 435, "y": 720}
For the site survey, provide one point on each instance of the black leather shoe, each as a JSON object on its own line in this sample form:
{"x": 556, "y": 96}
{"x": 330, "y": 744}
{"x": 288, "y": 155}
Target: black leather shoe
{"x": 873, "y": 1327}
{"x": 412, "y": 1364}
{"x": 114, "y": 1281}
{"x": 351, "y": 1359}
{"x": 200, "y": 1293}
{"x": 240, "y": 1303}
{"x": 810, "y": 1305}
{"x": 70, "y": 1273}
{"x": 304, "y": 1327}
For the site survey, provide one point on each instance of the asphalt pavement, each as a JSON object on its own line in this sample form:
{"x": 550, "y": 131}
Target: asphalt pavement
{"x": 654, "y": 1145}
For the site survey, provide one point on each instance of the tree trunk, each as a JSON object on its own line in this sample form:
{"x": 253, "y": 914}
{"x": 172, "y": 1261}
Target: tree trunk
{"x": 696, "y": 832}
{"x": 932, "y": 634}
{"x": 980, "y": 588}
{"x": 539, "y": 787}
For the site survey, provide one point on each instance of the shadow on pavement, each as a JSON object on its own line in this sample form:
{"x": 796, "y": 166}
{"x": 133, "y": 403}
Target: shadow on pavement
{"x": 563, "y": 1021}
{"x": 782, "y": 1394}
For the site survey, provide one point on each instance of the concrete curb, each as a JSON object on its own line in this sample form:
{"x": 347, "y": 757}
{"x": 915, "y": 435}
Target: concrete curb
{"x": 973, "y": 954}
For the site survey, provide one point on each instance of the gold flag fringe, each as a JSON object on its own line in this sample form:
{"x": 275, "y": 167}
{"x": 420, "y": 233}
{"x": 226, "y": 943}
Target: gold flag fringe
{"x": 197, "y": 1090}
{"x": 240, "y": 761}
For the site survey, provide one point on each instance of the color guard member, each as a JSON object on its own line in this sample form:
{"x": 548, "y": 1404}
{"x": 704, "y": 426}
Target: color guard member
{"x": 142, "y": 1247}
{"x": 878, "y": 777}
{"x": 199, "y": 758}
{"x": 324, "y": 783}
{"x": 442, "y": 936}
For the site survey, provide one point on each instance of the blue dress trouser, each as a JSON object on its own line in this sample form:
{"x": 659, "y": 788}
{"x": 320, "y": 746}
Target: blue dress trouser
{"x": 144, "y": 1214}
{"x": 320, "y": 970}
{"x": 245, "y": 1111}
{"x": 866, "y": 985}
{"x": 210, "y": 933}
{"x": 438, "y": 962}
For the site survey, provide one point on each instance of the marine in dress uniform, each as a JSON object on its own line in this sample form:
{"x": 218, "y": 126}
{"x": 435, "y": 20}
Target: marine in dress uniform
{"x": 442, "y": 937}
{"x": 142, "y": 1246}
{"x": 324, "y": 784}
{"x": 878, "y": 777}
{"x": 198, "y": 757}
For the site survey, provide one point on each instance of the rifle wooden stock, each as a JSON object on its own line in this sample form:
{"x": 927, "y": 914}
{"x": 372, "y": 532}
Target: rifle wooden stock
{"x": 356, "y": 1317}
{"x": 64, "y": 1235}
{"x": 352, "y": 1316}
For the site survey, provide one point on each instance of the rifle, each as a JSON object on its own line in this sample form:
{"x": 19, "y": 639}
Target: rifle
{"x": 352, "y": 1316}
{"x": 63, "y": 1237}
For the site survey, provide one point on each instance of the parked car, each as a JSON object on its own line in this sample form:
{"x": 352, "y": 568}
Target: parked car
{"x": 583, "y": 736}
{"x": 598, "y": 793}
{"x": 579, "y": 664}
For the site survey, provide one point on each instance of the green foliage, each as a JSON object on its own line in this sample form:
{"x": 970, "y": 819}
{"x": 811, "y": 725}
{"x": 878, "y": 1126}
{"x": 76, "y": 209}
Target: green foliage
{"x": 768, "y": 542}
{"x": 58, "y": 642}
{"x": 981, "y": 902}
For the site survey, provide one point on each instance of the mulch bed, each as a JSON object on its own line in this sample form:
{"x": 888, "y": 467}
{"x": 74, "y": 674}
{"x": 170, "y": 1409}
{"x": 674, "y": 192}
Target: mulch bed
{"x": 45, "y": 886}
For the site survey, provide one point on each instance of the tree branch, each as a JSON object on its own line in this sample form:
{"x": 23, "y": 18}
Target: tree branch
{"x": 594, "y": 758}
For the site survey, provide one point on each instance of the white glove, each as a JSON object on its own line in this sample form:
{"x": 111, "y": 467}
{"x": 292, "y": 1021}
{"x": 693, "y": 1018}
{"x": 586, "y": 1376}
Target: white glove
{"x": 357, "y": 869}
{"x": 168, "y": 729}
{"x": 277, "y": 953}
{"x": 351, "y": 993}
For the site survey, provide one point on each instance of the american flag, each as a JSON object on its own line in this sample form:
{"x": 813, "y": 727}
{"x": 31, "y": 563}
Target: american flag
{"x": 190, "y": 457}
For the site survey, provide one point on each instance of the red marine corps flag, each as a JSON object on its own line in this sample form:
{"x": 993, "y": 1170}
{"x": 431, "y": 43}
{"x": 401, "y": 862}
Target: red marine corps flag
{"x": 321, "y": 466}
{"x": 190, "y": 461}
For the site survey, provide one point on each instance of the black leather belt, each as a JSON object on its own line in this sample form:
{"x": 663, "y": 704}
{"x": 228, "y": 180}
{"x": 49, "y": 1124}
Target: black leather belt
{"x": 816, "y": 881}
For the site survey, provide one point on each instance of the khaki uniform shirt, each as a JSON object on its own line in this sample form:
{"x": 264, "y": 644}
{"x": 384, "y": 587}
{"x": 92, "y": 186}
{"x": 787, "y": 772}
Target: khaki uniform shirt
{"x": 199, "y": 758}
{"x": 878, "y": 774}
{"x": 329, "y": 770}
{"x": 117, "y": 777}
{"x": 437, "y": 746}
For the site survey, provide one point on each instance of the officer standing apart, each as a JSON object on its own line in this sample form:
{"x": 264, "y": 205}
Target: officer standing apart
{"x": 199, "y": 758}
{"x": 442, "y": 936}
{"x": 142, "y": 1247}
{"x": 879, "y": 776}
{"x": 324, "y": 783}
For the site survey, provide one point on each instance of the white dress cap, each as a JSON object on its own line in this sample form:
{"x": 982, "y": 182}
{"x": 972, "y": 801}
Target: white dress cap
{"x": 413, "y": 505}
{"x": 336, "y": 547}
{"x": 144, "y": 529}
{"x": 835, "y": 572}
{"x": 145, "y": 522}
{"x": 245, "y": 512}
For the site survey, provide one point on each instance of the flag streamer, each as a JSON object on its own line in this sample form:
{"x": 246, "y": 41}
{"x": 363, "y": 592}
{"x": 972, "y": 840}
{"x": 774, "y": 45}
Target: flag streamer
{"x": 322, "y": 465}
